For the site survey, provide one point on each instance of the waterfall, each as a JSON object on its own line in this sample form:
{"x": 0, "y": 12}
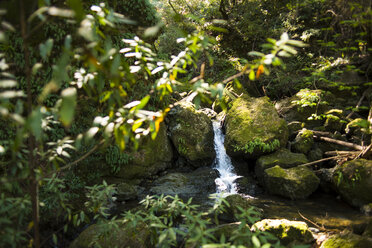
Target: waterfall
{"x": 226, "y": 182}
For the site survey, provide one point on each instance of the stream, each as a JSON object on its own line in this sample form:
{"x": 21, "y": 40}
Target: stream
{"x": 225, "y": 183}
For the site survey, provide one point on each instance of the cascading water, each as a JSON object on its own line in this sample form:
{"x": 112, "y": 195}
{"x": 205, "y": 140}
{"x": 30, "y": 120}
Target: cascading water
{"x": 226, "y": 182}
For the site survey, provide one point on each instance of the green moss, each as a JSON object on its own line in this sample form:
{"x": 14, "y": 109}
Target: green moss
{"x": 283, "y": 157}
{"x": 287, "y": 231}
{"x": 253, "y": 128}
{"x": 294, "y": 183}
{"x": 347, "y": 241}
{"x": 191, "y": 133}
{"x": 257, "y": 143}
{"x": 304, "y": 141}
{"x": 353, "y": 180}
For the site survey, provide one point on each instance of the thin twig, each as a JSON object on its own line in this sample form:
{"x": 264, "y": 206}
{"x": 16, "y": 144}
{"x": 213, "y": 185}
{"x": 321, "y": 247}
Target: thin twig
{"x": 312, "y": 222}
{"x": 358, "y": 104}
{"x": 245, "y": 70}
{"x": 69, "y": 165}
{"x": 324, "y": 159}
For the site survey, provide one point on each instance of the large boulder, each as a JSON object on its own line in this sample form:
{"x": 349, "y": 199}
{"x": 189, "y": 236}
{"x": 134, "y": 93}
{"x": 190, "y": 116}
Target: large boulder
{"x": 286, "y": 231}
{"x": 152, "y": 157}
{"x": 294, "y": 183}
{"x": 283, "y": 157}
{"x": 348, "y": 240}
{"x": 191, "y": 132}
{"x": 302, "y": 105}
{"x": 253, "y": 128}
{"x": 353, "y": 181}
{"x": 198, "y": 183}
{"x": 118, "y": 235}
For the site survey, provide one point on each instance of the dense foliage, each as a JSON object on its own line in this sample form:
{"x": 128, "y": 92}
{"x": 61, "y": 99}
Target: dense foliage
{"x": 78, "y": 85}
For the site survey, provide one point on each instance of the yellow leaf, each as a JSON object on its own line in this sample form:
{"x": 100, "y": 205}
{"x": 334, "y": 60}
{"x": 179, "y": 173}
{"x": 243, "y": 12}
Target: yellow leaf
{"x": 30, "y": 225}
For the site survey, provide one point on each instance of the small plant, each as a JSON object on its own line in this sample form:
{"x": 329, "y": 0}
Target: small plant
{"x": 116, "y": 158}
{"x": 257, "y": 143}
{"x": 170, "y": 222}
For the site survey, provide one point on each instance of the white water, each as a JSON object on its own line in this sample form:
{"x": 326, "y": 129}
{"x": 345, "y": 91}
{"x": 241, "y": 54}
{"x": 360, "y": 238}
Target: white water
{"x": 226, "y": 182}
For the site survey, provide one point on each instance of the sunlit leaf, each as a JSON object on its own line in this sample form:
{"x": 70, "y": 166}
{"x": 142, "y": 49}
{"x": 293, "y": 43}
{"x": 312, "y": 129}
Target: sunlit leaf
{"x": 8, "y": 83}
{"x": 54, "y": 11}
{"x": 251, "y": 75}
{"x": 143, "y": 102}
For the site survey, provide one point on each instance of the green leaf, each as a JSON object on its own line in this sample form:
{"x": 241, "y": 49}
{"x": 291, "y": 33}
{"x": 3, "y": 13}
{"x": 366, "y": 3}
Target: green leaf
{"x": 68, "y": 105}
{"x": 256, "y": 242}
{"x": 55, "y": 241}
{"x": 36, "y": 68}
{"x": 251, "y": 75}
{"x": 46, "y": 48}
{"x": 77, "y": 7}
{"x": 143, "y": 102}
{"x": 34, "y": 123}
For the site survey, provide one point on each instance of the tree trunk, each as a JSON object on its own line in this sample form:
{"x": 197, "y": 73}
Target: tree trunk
{"x": 34, "y": 184}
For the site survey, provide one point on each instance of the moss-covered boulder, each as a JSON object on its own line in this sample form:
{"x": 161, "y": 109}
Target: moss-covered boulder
{"x": 304, "y": 141}
{"x": 191, "y": 132}
{"x": 348, "y": 240}
{"x": 126, "y": 191}
{"x": 198, "y": 183}
{"x": 253, "y": 128}
{"x": 285, "y": 230}
{"x": 118, "y": 235}
{"x": 294, "y": 183}
{"x": 283, "y": 157}
{"x": 368, "y": 230}
{"x": 353, "y": 181}
{"x": 302, "y": 105}
{"x": 152, "y": 157}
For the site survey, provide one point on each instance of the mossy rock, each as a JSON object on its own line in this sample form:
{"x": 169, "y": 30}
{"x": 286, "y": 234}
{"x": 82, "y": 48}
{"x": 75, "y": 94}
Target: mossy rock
{"x": 152, "y": 157}
{"x": 348, "y": 240}
{"x": 304, "y": 141}
{"x": 191, "y": 132}
{"x": 335, "y": 120}
{"x": 200, "y": 182}
{"x": 294, "y": 183}
{"x": 286, "y": 231}
{"x": 283, "y": 157}
{"x": 353, "y": 181}
{"x": 294, "y": 127}
{"x": 295, "y": 108}
{"x": 253, "y": 128}
{"x": 368, "y": 230}
{"x": 119, "y": 235}
{"x": 126, "y": 191}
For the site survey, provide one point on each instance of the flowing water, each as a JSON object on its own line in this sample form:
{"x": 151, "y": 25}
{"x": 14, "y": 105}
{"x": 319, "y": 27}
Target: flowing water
{"x": 226, "y": 182}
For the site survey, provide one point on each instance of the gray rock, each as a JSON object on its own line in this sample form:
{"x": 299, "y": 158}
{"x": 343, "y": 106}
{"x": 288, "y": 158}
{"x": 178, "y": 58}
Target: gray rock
{"x": 294, "y": 183}
{"x": 192, "y": 135}
{"x": 193, "y": 184}
{"x": 353, "y": 181}
{"x": 283, "y": 157}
